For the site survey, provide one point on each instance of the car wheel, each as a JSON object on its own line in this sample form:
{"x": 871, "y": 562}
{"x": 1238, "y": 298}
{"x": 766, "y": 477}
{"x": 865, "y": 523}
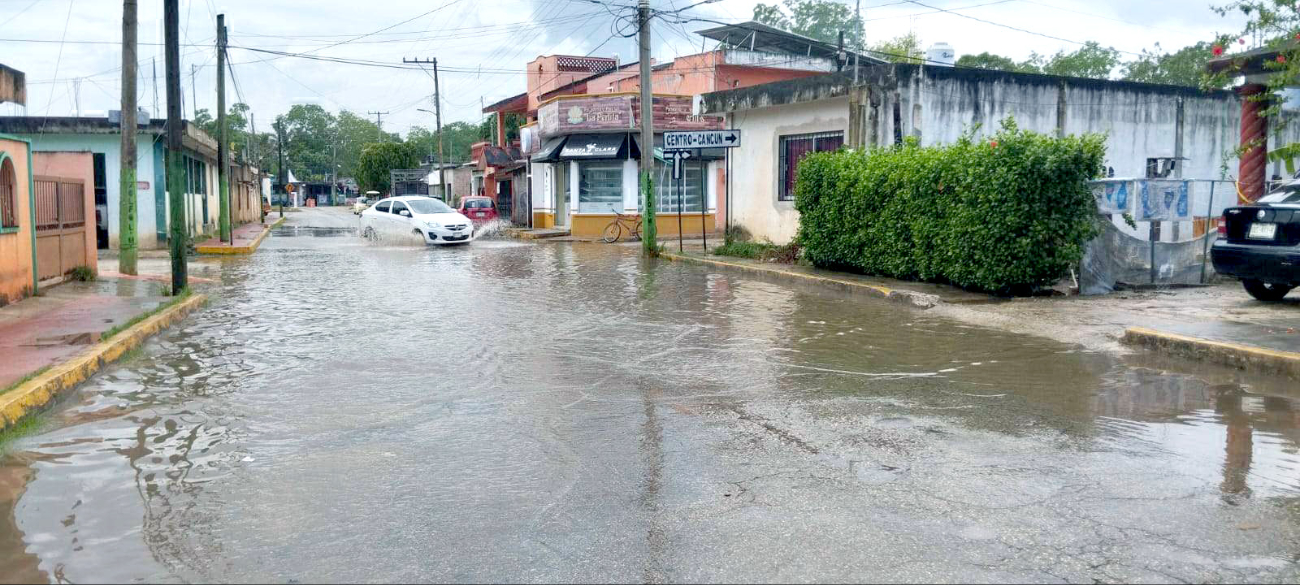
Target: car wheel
{"x": 1265, "y": 291}
{"x": 369, "y": 234}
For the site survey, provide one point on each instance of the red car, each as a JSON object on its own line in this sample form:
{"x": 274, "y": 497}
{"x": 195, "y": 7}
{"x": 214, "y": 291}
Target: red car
{"x": 478, "y": 209}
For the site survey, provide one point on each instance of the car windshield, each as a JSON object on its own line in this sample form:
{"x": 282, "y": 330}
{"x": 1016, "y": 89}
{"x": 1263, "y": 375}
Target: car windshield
{"x": 423, "y": 206}
{"x": 1288, "y": 194}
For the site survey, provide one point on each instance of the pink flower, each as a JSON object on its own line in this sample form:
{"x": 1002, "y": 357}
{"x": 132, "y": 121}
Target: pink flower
{"x": 1281, "y": 58}
{"x": 1241, "y": 41}
{"x": 1217, "y": 50}
{"x": 993, "y": 144}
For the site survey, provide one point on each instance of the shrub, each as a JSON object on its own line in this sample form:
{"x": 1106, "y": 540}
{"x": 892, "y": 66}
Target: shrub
{"x": 1004, "y": 215}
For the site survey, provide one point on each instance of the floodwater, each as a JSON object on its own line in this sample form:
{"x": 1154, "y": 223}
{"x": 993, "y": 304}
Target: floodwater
{"x": 350, "y": 411}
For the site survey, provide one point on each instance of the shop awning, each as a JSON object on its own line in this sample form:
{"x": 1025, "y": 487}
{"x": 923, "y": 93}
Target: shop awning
{"x": 550, "y": 151}
{"x": 593, "y": 146}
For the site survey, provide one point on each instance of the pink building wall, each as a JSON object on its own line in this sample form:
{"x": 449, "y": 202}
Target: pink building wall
{"x": 73, "y": 165}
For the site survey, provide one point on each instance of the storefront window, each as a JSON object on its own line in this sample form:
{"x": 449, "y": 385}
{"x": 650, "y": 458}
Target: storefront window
{"x": 600, "y": 187}
{"x": 692, "y": 192}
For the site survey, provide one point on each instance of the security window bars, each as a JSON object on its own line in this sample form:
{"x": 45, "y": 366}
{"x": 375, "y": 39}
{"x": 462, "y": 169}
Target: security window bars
{"x": 797, "y": 146}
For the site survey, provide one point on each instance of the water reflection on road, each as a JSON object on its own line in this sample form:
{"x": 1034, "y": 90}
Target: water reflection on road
{"x": 346, "y": 411}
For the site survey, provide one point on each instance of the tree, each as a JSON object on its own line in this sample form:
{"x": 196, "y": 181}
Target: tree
{"x": 488, "y": 127}
{"x": 353, "y": 134}
{"x": 1090, "y": 60}
{"x": 379, "y": 158}
{"x": 901, "y": 49}
{"x": 309, "y": 132}
{"x": 990, "y": 61}
{"x": 1184, "y": 67}
{"x": 819, "y": 19}
{"x": 1272, "y": 24}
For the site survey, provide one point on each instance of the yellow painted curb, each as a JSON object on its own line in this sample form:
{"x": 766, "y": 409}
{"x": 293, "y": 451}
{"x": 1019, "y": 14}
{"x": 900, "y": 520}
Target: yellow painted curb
{"x": 34, "y": 394}
{"x": 1221, "y": 352}
{"x": 236, "y": 250}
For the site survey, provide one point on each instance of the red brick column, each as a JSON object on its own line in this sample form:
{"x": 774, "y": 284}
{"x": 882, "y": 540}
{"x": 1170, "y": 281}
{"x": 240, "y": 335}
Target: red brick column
{"x": 1252, "y": 168}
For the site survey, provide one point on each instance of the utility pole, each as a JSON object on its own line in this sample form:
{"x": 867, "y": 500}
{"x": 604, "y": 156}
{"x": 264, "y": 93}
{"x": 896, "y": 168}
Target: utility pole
{"x": 175, "y": 126}
{"x": 194, "y": 92}
{"x": 649, "y": 229}
{"x": 280, "y": 176}
{"x": 223, "y": 147}
{"x": 379, "y": 124}
{"x": 127, "y": 243}
{"x": 437, "y": 117}
{"x": 334, "y": 169}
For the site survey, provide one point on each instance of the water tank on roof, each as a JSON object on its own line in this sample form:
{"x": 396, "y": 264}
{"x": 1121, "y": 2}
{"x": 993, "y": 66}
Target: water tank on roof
{"x": 940, "y": 54}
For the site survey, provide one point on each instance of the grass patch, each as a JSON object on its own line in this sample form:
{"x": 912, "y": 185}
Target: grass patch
{"x": 107, "y": 335}
{"x": 761, "y": 251}
{"x": 25, "y": 379}
{"x": 82, "y": 274}
{"x": 29, "y": 425}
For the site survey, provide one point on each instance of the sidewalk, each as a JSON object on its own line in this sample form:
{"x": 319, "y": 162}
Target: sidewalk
{"x": 54, "y": 341}
{"x": 244, "y": 239}
{"x": 1216, "y": 324}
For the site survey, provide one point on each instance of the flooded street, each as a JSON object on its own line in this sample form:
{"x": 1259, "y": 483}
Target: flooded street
{"x": 346, "y": 411}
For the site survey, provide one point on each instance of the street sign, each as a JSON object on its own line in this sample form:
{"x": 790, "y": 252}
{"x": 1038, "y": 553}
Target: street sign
{"x": 678, "y": 156}
{"x": 290, "y": 188}
{"x": 702, "y": 139}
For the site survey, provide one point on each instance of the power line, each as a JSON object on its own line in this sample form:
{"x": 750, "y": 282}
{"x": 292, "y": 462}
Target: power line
{"x": 20, "y": 13}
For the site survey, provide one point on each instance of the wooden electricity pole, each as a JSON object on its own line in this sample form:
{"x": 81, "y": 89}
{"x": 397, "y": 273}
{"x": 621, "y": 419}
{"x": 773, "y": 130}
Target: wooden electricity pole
{"x": 650, "y": 229}
{"x": 223, "y": 154}
{"x": 437, "y": 117}
{"x": 175, "y": 161}
{"x": 127, "y": 243}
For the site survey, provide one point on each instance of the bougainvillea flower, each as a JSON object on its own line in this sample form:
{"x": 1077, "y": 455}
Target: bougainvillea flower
{"x": 1217, "y": 50}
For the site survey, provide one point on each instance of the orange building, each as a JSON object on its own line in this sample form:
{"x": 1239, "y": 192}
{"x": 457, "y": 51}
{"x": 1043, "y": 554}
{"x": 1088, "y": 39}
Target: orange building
{"x": 747, "y": 54}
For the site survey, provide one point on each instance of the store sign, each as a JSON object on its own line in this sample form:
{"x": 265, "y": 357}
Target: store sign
{"x": 569, "y": 115}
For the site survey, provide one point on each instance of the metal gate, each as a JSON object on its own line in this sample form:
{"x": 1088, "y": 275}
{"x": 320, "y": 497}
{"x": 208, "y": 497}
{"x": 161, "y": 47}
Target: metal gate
{"x": 60, "y": 225}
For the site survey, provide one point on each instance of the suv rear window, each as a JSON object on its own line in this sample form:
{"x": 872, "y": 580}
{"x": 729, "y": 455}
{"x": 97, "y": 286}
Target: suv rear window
{"x": 478, "y": 204}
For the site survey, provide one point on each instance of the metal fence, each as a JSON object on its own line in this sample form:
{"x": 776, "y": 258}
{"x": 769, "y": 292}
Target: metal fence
{"x": 1174, "y": 223}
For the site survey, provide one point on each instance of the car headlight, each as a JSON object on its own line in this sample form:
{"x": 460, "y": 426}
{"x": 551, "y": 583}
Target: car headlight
{"x": 432, "y": 224}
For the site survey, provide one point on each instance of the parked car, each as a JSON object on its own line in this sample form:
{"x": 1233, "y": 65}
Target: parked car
{"x": 364, "y": 201}
{"x": 426, "y": 217}
{"x": 478, "y": 208}
{"x": 1260, "y": 244}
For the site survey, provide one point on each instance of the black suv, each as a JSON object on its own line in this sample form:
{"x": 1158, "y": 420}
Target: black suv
{"x": 1260, "y": 244}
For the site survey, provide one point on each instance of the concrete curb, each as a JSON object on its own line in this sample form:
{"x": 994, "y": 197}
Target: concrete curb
{"x": 917, "y": 299}
{"x": 31, "y": 396}
{"x": 1221, "y": 352}
{"x": 236, "y": 250}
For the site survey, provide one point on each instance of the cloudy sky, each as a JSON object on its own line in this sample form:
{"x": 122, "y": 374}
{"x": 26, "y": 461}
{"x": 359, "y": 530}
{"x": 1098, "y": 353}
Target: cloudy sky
{"x": 69, "y": 51}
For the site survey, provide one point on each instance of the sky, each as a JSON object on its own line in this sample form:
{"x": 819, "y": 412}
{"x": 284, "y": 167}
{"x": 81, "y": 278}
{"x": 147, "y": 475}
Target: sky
{"x": 70, "y": 49}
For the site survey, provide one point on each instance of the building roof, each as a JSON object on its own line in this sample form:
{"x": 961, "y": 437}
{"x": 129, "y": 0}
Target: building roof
{"x": 1252, "y": 62}
{"x": 761, "y": 37}
{"x": 517, "y": 103}
{"x": 570, "y": 85}
{"x": 193, "y": 137}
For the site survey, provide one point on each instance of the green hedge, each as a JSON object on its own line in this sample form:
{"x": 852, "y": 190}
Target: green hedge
{"x": 1004, "y": 214}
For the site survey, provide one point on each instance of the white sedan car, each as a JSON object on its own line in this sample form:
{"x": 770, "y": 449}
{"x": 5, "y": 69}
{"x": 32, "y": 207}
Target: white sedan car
{"x": 426, "y": 217}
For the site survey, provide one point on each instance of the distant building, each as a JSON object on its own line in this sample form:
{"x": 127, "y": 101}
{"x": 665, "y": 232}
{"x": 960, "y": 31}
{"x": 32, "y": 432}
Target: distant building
{"x": 582, "y": 137}
{"x": 102, "y": 138}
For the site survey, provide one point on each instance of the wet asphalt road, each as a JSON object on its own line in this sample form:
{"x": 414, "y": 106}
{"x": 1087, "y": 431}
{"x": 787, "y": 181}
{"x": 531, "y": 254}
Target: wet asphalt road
{"x": 345, "y": 411}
